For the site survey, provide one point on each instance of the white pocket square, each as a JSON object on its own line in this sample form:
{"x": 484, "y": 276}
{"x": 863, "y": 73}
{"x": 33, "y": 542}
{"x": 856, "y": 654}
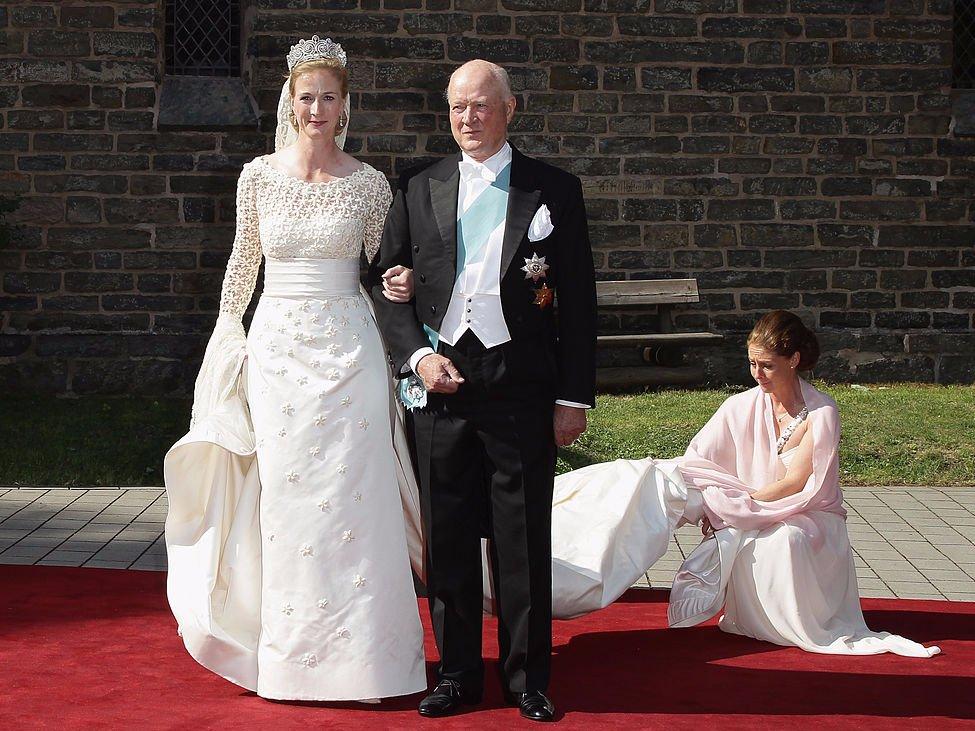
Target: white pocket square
{"x": 541, "y": 225}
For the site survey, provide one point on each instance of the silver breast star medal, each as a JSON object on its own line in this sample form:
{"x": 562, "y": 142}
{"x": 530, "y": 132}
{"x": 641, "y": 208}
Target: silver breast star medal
{"x": 535, "y": 267}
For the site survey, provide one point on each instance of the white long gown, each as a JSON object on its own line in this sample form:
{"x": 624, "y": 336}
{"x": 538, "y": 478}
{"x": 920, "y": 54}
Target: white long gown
{"x": 289, "y": 567}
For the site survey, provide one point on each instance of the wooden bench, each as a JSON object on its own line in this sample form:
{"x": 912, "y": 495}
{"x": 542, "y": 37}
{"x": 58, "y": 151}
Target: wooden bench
{"x": 663, "y": 351}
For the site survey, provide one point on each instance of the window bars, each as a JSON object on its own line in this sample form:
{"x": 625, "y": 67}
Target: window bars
{"x": 964, "y": 45}
{"x": 203, "y": 37}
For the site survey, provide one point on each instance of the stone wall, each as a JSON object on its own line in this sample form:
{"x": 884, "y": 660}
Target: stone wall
{"x": 786, "y": 153}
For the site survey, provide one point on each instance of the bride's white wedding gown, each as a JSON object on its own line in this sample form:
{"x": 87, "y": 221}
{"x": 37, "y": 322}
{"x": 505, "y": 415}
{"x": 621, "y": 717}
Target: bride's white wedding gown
{"x": 289, "y": 569}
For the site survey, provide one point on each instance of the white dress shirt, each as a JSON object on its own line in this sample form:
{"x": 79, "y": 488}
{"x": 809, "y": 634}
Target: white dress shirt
{"x": 475, "y": 303}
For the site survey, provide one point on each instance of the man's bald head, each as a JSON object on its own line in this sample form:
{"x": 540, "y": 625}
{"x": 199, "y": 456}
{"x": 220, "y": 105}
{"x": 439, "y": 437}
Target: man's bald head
{"x": 478, "y": 70}
{"x": 481, "y": 107}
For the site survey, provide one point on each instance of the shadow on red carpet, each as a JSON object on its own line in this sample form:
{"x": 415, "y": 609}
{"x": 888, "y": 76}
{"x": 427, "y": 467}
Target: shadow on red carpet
{"x": 97, "y": 648}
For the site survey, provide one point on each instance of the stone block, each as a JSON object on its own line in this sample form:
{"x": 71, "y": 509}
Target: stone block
{"x": 82, "y": 210}
{"x": 826, "y": 80}
{"x": 764, "y": 53}
{"x": 56, "y": 95}
{"x": 506, "y": 50}
{"x": 547, "y": 50}
{"x": 58, "y": 43}
{"x": 41, "y": 163}
{"x": 750, "y": 27}
{"x": 891, "y": 53}
{"x": 32, "y": 16}
{"x": 127, "y": 210}
{"x": 97, "y": 282}
{"x": 902, "y": 79}
{"x": 696, "y": 7}
{"x": 125, "y": 44}
{"x": 618, "y": 52}
{"x": 752, "y": 209}
{"x": 746, "y": 79}
{"x": 136, "y": 17}
{"x": 879, "y": 210}
{"x": 86, "y": 119}
{"x": 657, "y": 78}
{"x": 806, "y": 54}
{"x": 98, "y": 16}
{"x": 440, "y": 23}
{"x": 31, "y": 282}
{"x": 655, "y": 26}
{"x": 558, "y": 6}
{"x": 926, "y": 236}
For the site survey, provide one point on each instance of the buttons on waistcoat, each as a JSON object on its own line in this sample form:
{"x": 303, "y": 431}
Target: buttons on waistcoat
{"x": 422, "y": 277}
{"x": 416, "y": 249}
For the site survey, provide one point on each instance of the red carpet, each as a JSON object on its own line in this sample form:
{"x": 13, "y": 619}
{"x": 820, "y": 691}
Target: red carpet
{"x": 97, "y": 649}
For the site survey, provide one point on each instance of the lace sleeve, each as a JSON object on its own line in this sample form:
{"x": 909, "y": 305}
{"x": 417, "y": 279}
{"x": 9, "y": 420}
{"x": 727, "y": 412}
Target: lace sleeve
{"x": 379, "y": 199}
{"x": 245, "y": 258}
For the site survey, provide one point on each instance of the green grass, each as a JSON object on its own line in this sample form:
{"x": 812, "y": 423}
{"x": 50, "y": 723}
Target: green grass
{"x": 902, "y": 434}
{"x": 88, "y": 441}
{"x": 898, "y": 434}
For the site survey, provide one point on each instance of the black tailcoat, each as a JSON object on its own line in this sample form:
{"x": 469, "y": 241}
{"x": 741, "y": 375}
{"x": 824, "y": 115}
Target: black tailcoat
{"x": 485, "y": 456}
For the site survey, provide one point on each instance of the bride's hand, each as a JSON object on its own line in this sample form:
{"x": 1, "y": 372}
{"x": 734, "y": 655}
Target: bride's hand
{"x": 398, "y": 284}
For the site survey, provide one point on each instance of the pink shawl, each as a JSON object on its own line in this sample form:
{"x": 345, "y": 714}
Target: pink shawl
{"x": 734, "y": 455}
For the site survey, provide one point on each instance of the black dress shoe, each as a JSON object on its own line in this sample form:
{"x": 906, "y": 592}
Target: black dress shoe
{"x": 445, "y": 699}
{"x": 533, "y": 705}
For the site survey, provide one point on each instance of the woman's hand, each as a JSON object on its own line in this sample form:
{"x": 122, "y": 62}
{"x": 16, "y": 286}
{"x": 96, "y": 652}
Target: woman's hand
{"x": 398, "y": 284}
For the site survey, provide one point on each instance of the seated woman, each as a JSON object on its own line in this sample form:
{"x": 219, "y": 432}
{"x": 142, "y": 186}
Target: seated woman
{"x": 762, "y": 478}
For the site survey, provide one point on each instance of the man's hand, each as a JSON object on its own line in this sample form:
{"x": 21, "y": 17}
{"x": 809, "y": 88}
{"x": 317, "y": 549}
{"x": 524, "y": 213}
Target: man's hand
{"x": 398, "y": 284}
{"x": 569, "y": 422}
{"x": 439, "y": 374}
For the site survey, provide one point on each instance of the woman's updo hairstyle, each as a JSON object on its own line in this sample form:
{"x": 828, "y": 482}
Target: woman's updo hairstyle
{"x": 332, "y": 65}
{"x": 783, "y": 333}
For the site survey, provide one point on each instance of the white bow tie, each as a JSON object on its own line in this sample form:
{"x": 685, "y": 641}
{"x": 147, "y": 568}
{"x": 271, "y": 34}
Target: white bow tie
{"x": 471, "y": 170}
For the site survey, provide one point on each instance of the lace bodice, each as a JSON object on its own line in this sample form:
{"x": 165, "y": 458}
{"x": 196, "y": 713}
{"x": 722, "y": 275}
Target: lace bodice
{"x": 282, "y": 217}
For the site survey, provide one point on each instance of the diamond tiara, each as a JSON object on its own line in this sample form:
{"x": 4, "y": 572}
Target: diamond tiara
{"x": 315, "y": 48}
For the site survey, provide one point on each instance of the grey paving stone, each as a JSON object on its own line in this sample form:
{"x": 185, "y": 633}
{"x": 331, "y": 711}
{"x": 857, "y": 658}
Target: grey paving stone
{"x": 957, "y": 587}
{"x": 26, "y": 551}
{"x": 5, "y": 558}
{"x": 64, "y": 558}
{"x": 33, "y": 540}
{"x": 16, "y": 533}
{"x": 959, "y": 554}
{"x": 150, "y": 563}
{"x": 103, "y": 564}
{"x": 76, "y": 544}
{"x": 908, "y": 589}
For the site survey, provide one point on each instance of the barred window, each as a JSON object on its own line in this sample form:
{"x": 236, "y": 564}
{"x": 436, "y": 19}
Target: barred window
{"x": 203, "y": 37}
{"x": 964, "y": 45}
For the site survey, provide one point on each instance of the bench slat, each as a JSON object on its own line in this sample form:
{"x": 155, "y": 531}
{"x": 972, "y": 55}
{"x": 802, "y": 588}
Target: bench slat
{"x": 646, "y": 292}
{"x": 644, "y": 339}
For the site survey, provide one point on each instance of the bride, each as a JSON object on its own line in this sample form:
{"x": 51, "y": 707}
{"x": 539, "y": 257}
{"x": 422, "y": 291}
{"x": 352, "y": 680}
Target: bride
{"x": 762, "y": 478}
{"x": 289, "y": 571}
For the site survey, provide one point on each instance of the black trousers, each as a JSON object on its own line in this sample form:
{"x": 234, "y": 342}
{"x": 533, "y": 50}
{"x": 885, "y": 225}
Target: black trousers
{"x": 485, "y": 459}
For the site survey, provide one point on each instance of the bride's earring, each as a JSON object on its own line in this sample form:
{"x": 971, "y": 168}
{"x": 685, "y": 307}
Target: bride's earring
{"x": 342, "y": 122}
